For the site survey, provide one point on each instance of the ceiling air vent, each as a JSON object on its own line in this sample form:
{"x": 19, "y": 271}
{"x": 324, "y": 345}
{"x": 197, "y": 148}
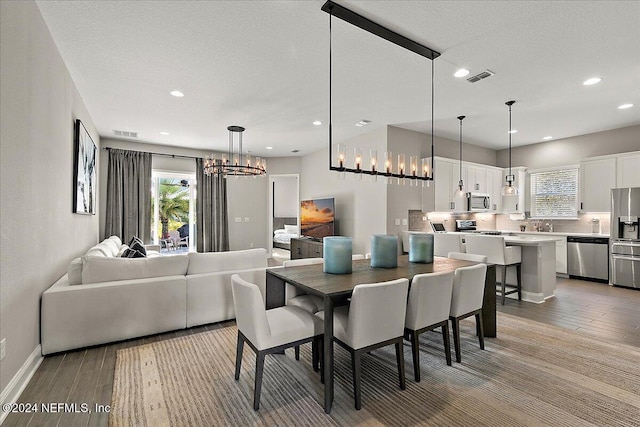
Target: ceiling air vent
{"x": 125, "y": 133}
{"x": 480, "y": 76}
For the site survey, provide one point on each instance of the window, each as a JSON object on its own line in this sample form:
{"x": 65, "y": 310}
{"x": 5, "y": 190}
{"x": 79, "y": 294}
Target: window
{"x": 554, "y": 193}
{"x": 174, "y": 213}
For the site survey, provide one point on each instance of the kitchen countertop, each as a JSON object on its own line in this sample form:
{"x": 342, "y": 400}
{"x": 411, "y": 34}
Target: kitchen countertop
{"x": 557, "y": 233}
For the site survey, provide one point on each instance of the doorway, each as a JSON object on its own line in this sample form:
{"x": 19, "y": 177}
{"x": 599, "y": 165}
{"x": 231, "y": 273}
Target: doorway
{"x": 284, "y": 208}
{"x": 173, "y": 208}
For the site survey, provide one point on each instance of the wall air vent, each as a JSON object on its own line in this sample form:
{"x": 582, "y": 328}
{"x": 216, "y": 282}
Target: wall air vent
{"x": 125, "y": 133}
{"x": 480, "y": 76}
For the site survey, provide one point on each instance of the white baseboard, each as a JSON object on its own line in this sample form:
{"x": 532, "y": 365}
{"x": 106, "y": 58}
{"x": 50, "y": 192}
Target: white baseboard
{"x": 534, "y": 297}
{"x": 16, "y": 386}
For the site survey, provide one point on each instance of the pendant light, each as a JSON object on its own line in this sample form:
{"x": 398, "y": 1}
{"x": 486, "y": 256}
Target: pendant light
{"x": 510, "y": 189}
{"x": 460, "y": 193}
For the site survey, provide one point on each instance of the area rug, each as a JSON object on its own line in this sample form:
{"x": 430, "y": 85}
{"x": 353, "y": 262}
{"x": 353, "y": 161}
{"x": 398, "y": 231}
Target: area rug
{"x": 531, "y": 375}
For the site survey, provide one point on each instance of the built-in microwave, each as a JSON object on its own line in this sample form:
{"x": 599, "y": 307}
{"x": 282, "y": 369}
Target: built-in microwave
{"x": 478, "y": 202}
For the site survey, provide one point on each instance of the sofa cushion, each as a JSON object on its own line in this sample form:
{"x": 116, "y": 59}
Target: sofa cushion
{"x": 103, "y": 269}
{"x": 111, "y": 245}
{"x": 100, "y": 250}
{"x": 224, "y": 261}
{"x": 74, "y": 272}
{"x": 117, "y": 240}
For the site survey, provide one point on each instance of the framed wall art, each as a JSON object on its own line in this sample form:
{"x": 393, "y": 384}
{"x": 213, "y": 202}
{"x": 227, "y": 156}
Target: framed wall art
{"x": 84, "y": 194}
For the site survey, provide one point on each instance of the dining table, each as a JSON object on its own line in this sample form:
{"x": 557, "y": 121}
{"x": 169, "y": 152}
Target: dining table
{"x": 336, "y": 289}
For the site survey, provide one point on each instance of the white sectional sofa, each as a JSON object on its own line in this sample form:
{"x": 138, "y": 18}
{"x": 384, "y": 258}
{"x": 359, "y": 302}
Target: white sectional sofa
{"x": 105, "y": 298}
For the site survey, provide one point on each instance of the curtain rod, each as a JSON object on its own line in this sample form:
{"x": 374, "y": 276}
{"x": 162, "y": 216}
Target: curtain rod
{"x": 157, "y": 154}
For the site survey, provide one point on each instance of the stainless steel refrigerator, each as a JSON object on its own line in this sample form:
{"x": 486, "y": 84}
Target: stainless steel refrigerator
{"x": 625, "y": 237}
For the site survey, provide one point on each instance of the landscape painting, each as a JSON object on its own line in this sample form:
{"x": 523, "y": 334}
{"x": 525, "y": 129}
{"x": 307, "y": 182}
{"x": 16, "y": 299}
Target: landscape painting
{"x": 317, "y": 218}
{"x": 84, "y": 172}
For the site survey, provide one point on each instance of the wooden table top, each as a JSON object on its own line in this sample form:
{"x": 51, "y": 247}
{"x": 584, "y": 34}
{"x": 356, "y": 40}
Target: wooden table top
{"x": 313, "y": 279}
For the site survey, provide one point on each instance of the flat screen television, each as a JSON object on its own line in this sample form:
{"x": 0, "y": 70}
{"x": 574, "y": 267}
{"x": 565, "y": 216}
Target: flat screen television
{"x": 317, "y": 218}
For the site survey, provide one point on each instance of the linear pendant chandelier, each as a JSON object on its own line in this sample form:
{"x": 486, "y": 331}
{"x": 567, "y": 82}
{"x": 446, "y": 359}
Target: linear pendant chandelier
{"x": 412, "y": 173}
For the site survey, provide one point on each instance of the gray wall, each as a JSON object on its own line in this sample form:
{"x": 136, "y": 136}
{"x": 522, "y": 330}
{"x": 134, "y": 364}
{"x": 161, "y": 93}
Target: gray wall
{"x": 40, "y": 234}
{"x": 571, "y": 150}
{"x": 285, "y": 196}
{"x": 361, "y": 206}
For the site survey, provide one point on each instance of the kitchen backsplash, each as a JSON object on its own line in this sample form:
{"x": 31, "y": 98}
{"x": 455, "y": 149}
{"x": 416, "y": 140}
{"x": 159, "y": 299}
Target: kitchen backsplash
{"x": 586, "y": 223}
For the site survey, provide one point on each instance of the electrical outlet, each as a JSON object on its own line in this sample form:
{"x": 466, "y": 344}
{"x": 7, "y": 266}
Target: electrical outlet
{"x": 3, "y": 348}
{"x": 251, "y": 245}
{"x": 246, "y": 219}
{"x": 404, "y": 221}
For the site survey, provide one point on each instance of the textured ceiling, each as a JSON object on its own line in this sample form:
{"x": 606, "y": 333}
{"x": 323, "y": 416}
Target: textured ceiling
{"x": 264, "y": 65}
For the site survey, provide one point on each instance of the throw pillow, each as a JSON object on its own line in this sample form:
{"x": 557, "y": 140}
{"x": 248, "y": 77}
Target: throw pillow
{"x": 291, "y": 229}
{"x": 132, "y": 253}
{"x": 135, "y": 239}
{"x": 137, "y": 246}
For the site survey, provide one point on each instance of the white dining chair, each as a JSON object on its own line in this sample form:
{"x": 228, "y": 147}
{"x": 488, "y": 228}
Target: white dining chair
{"x": 269, "y": 331}
{"x": 466, "y": 301}
{"x": 443, "y": 243}
{"x": 375, "y": 318}
{"x": 295, "y": 296}
{"x": 427, "y": 309}
{"x": 494, "y": 248}
{"x": 467, "y": 257}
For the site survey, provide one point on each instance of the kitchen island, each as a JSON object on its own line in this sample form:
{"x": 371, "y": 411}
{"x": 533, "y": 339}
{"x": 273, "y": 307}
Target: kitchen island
{"x": 538, "y": 266}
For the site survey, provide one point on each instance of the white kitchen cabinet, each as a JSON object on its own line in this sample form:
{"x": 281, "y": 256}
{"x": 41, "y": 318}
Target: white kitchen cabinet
{"x": 515, "y": 204}
{"x": 494, "y": 187}
{"x": 443, "y": 184}
{"x": 476, "y": 179}
{"x": 628, "y": 170}
{"x": 597, "y": 178}
{"x": 561, "y": 255}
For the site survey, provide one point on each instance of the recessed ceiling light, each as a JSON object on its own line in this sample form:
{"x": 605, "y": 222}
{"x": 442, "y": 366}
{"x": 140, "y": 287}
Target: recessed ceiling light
{"x": 164, "y": 133}
{"x": 592, "y": 81}
{"x": 363, "y": 122}
{"x": 547, "y": 137}
{"x": 177, "y": 93}
{"x": 624, "y": 106}
{"x": 462, "y": 72}
{"x": 317, "y": 123}
{"x": 295, "y": 151}
{"x": 269, "y": 148}
{"x": 513, "y": 131}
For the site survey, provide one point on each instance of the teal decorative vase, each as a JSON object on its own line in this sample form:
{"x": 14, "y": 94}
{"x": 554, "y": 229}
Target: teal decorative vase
{"x": 337, "y": 254}
{"x": 421, "y": 248}
{"x": 384, "y": 251}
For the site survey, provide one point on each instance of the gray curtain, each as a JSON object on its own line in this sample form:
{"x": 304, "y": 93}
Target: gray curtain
{"x": 212, "y": 225}
{"x": 129, "y": 195}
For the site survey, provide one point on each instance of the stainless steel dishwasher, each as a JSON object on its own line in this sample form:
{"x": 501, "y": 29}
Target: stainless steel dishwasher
{"x": 588, "y": 258}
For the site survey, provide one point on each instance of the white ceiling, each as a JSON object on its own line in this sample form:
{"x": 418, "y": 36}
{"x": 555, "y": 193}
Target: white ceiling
{"x": 264, "y": 65}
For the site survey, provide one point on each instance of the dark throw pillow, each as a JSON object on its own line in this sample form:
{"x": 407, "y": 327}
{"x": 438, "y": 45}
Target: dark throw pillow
{"x": 133, "y": 253}
{"x": 138, "y": 246}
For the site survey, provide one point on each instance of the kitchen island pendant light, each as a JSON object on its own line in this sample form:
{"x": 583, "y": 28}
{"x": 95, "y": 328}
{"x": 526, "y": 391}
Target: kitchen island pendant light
{"x": 412, "y": 172}
{"x": 510, "y": 189}
{"x": 460, "y": 193}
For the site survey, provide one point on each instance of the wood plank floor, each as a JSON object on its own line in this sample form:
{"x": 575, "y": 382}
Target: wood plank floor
{"x": 86, "y": 376}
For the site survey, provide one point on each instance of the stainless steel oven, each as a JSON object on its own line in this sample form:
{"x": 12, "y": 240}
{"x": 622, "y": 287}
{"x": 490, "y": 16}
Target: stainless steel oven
{"x": 625, "y": 263}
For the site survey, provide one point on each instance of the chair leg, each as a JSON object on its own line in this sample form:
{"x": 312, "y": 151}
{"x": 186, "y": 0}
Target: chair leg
{"x": 297, "y": 352}
{"x": 258, "y": 384}
{"x": 355, "y": 367}
{"x": 504, "y": 282}
{"x": 480, "y": 329}
{"x": 314, "y": 354}
{"x": 455, "y": 324}
{"x": 239, "y": 347}
{"x": 415, "y": 351}
{"x": 447, "y": 343}
{"x": 519, "y": 274}
{"x": 321, "y": 357}
{"x": 400, "y": 360}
